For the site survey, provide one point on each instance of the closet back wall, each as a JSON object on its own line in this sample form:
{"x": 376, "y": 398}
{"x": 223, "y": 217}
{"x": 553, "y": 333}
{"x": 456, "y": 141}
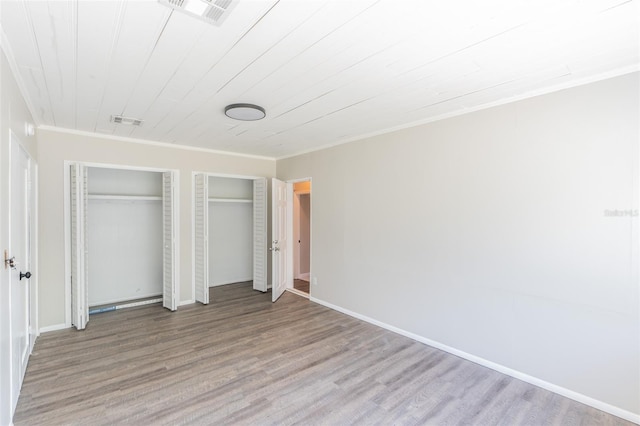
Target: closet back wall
{"x": 56, "y": 146}
{"x": 230, "y": 230}
{"x": 124, "y": 230}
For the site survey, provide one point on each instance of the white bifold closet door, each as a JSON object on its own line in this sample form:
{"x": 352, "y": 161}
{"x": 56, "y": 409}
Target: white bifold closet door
{"x": 201, "y": 237}
{"x": 169, "y": 299}
{"x": 260, "y": 234}
{"x": 79, "y": 262}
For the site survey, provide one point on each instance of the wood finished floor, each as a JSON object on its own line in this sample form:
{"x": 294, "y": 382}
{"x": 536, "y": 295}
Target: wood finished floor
{"x": 243, "y": 360}
{"x": 301, "y": 285}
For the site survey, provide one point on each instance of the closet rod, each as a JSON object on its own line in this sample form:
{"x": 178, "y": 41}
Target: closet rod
{"x": 230, "y": 200}
{"x": 125, "y": 197}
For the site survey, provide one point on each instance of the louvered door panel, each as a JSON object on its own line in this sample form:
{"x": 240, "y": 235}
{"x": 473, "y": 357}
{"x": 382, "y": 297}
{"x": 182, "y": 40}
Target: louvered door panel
{"x": 168, "y": 243}
{"x": 79, "y": 255}
{"x": 260, "y": 234}
{"x": 201, "y": 238}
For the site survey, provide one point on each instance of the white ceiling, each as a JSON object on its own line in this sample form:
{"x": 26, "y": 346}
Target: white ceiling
{"x": 325, "y": 71}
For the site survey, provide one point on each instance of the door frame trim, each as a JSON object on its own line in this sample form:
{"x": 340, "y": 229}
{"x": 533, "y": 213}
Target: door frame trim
{"x": 290, "y": 234}
{"x": 35, "y": 305}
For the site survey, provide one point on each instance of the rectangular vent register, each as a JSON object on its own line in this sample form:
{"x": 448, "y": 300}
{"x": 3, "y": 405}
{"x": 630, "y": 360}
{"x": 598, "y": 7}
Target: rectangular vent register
{"x": 211, "y": 11}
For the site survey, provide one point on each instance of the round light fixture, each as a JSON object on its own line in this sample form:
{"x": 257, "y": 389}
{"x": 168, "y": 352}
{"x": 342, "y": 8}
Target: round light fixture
{"x": 244, "y": 112}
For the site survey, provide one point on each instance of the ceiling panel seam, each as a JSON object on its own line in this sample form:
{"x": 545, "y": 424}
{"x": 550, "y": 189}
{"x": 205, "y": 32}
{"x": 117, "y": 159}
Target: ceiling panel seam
{"x": 622, "y": 3}
{"x": 413, "y": 110}
{"x": 32, "y": 33}
{"x": 306, "y": 49}
{"x": 443, "y": 116}
{"x": 318, "y": 118}
{"x": 270, "y": 48}
{"x": 463, "y": 48}
{"x": 231, "y": 48}
{"x": 395, "y": 88}
{"x": 332, "y": 76}
{"x": 171, "y": 77}
{"x": 330, "y": 71}
{"x": 114, "y": 43}
{"x": 146, "y": 64}
{"x": 503, "y": 83}
{"x": 210, "y": 70}
{"x": 15, "y": 70}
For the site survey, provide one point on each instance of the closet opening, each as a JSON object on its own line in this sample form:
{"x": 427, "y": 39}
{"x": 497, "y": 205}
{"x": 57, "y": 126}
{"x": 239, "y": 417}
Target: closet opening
{"x": 122, "y": 232}
{"x": 230, "y": 233}
{"x": 301, "y": 236}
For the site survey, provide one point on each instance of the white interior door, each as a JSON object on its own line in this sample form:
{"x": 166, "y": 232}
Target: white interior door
{"x": 260, "y": 234}
{"x": 21, "y": 252}
{"x": 79, "y": 256}
{"x": 281, "y": 194}
{"x": 201, "y": 237}
{"x": 169, "y": 299}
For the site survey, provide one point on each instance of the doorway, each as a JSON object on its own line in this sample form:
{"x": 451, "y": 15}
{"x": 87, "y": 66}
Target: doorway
{"x": 284, "y": 233}
{"x": 302, "y": 235}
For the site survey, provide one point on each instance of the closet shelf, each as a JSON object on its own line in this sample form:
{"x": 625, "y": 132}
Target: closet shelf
{"x": 125, "y": 197}
{"x": 230, "y": 200}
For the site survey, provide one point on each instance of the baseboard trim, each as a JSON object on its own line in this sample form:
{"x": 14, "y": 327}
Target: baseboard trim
{"x": 584, "y": 399}
{"x": 229, "y": 282}
{"x": 53, "y": 328}
{"x": 125, "y": 305}
{"x": 298, "y": 292}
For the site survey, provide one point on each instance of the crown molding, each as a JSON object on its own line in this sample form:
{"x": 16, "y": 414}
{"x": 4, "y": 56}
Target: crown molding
{"x": 149, "y": 142}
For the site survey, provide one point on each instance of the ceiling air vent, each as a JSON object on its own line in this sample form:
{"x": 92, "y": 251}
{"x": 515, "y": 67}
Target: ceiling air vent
{"x": 118, "y": 119}
{"x": 211, "y": 11}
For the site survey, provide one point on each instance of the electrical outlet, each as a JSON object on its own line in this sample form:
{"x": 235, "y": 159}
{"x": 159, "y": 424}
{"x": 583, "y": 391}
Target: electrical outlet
{"x": 314, "y": 280}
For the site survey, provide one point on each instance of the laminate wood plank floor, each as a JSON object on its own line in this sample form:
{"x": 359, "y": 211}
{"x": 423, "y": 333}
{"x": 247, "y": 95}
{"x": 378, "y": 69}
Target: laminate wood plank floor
{"x": 301, "y": 285}
{"x": 243, "y": 360}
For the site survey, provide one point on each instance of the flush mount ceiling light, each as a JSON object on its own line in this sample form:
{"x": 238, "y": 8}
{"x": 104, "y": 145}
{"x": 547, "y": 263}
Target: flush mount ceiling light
{"x": 244, "y": 112}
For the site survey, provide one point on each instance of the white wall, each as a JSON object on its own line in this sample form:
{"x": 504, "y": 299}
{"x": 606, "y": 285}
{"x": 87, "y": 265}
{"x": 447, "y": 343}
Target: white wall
{"x": 124, "y": 250}
{"x": 236, "y": 188}
{"x": 487, "y": 232}
{"x": 230, "y": 243}
{"x": 124, "y": 236}
{"x": 13, "y": 116}
{"x": 56, "y": 146}
{"x": 109, "y": 181}
{"x": 230, "y": 231}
